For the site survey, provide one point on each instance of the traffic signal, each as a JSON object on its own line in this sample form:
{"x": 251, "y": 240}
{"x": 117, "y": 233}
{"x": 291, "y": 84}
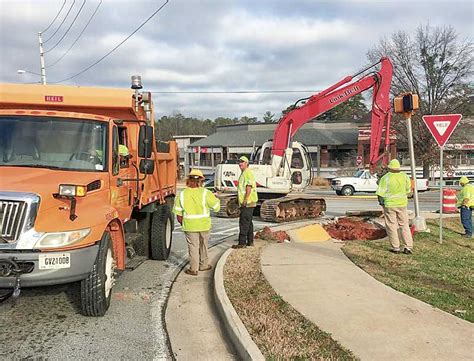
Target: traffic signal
{"x": 406, "y": 103}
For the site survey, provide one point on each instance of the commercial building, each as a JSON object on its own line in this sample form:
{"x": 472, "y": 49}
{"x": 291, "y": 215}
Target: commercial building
{"x": 336, "y": 147}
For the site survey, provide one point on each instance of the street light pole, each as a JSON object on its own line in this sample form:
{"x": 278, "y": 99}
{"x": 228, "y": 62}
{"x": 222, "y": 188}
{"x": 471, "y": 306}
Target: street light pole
{"x": 43, "y": 68}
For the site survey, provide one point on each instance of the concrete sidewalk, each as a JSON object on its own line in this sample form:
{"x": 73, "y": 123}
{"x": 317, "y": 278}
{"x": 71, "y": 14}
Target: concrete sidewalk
{"x": 194, "y": 329}
{"x": 371, "y": 319}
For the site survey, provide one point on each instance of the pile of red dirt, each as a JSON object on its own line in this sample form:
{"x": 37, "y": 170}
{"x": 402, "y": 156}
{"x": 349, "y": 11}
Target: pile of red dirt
{"x": 352, "y": 228}
{"x": 269, "y": 235}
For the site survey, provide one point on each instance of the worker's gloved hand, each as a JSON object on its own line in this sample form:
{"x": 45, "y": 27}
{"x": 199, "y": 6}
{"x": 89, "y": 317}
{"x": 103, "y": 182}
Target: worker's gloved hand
{"x": 244, "y": 204}
{"x": 381, "y": 201}
{"x": 180, "y": 219}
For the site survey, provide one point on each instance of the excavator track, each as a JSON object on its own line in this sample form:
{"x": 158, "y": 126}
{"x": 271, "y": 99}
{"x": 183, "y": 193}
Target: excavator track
{"x": 292, "y": 207}
{"x": 229, "y": 206}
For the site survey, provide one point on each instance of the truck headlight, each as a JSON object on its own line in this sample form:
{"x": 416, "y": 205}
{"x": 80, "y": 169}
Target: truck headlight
{"x": 70, "y": 190}
{"x": 336, "y": 182}
{"x": 62, "y": 239}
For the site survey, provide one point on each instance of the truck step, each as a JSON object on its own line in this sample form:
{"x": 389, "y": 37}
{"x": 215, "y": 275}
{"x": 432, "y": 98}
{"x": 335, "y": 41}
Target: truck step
{"x": 134, "y": 262}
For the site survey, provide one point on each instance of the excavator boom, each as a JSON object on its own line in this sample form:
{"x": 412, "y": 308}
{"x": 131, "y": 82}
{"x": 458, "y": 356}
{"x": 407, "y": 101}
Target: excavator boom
{"x": 340, "y": 92}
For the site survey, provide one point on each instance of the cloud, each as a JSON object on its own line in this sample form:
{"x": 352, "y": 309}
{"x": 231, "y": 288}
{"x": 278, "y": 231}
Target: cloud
{"x": 217, "y": 45}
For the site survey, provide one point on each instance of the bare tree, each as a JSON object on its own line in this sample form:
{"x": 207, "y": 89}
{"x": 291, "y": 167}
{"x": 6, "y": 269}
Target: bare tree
{"x": 437, "y": 66}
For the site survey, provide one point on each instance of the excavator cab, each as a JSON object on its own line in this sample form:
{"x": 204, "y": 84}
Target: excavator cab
{"x": 297, "y": 163}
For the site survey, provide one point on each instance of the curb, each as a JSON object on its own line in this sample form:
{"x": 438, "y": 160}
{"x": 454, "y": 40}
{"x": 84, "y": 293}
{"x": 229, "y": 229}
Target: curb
{"x": 236, "y": 330}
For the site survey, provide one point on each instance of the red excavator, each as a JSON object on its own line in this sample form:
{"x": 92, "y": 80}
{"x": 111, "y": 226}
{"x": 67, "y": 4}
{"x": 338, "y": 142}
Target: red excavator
{"x": 282, "y": 168}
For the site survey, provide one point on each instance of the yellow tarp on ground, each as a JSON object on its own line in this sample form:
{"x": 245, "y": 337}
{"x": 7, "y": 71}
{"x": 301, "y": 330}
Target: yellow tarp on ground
{"x": 308, "y": 234}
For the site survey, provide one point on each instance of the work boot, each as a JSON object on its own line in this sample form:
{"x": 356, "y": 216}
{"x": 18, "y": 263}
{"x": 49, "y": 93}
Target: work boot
{"x": 250, "y": 244}
{"x": 207, "y": 268}
{"x": 394, "y": 250}
{"x": 407, "y": 250}
{"x": 191, "y": 273}
{"x": 468, "y": 236}
{"x": 237, "y": 246}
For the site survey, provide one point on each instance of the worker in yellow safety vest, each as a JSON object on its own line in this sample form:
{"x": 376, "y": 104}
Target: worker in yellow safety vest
{"x": 392, "y": 192}
{"x": 192, "y": 208}
{"x": 465, "y": 203}
{"x": 247, "y": 196}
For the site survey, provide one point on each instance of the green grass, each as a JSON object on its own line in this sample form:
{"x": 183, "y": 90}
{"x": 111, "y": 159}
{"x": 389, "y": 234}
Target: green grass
{"x": 279, "y": 331}
{"x": 439, "y": 274}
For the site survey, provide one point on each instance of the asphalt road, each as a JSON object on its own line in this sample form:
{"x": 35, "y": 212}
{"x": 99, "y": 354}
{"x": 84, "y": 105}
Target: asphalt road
{"x": 338, "y": 205}
{"x": 46, "y": 323}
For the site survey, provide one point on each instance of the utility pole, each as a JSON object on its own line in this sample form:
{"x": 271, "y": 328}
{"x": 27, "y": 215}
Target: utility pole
{"x": 43, "y": 68}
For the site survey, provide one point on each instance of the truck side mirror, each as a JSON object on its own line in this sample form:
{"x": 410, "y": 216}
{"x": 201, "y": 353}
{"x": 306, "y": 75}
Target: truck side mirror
{"x": 147, "y": 166}
{"x": 145, "y": 141}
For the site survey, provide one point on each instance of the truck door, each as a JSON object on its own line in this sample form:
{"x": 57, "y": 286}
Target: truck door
{"x": 121, "y": 192}
{"x": 367, "y": 183}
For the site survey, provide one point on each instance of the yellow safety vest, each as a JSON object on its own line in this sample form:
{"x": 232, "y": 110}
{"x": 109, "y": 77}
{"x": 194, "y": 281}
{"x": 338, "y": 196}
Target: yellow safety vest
{"x": 194, "y": 205}
{"x": 466, "y": 192}
{"x": 394, "y": 188}
{"x": 247, "y": 179}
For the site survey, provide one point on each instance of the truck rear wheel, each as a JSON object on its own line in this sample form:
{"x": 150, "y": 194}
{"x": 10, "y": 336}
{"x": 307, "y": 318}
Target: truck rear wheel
{"x": 142, "y": 248}
{"x": 96, "y": 289}
{"x": 161, "y": 233}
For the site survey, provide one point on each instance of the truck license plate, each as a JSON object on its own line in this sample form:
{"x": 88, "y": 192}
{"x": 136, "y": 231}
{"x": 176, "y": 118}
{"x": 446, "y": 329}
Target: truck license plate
{"x": 54, "y": 261}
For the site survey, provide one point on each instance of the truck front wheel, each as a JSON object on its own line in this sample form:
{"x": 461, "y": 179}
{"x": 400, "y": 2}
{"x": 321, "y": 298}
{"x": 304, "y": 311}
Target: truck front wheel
{"x": 96, "y": 289}
{"x": 161, "y": 233}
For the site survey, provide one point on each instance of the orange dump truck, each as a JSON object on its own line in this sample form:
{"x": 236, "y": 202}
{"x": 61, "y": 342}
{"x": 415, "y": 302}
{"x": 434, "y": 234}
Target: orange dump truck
{"x": 84, "y": 187}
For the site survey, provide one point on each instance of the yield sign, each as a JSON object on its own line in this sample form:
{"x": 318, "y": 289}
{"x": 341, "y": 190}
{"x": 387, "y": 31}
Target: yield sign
{"x": 442, "y": 126}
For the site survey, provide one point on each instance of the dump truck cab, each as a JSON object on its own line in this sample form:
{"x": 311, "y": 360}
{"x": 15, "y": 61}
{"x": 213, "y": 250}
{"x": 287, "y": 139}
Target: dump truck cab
{"x": 84, "y": 186}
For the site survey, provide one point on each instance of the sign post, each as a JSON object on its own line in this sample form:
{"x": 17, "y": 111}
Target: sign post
{"x": 441, "y": 127}
{"x": 441, "y": 181}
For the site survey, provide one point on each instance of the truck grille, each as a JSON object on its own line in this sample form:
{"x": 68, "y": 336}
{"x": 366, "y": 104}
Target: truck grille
{"x": 12, "y": 219}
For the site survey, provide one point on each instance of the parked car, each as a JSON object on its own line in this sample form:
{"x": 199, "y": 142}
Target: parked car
{"x": 364, "y": 181}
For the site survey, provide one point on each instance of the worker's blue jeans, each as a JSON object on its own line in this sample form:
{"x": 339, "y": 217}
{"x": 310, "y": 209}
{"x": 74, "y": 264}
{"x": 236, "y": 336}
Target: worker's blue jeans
{"x": 466, "y": 220}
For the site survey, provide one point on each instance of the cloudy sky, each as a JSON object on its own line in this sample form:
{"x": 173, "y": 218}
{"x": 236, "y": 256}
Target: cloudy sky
{"x": 212, "y": 45}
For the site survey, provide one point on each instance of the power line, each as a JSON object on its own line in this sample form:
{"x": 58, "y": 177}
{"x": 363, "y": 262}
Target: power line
{"x": 234, "y": 91}
{"x": 69, "y": 28}
{"x": 75, "y": 41}
{"x": 62, "y": 22}
{"x": 116, "y": 47}
{"x": 52, "y": 22}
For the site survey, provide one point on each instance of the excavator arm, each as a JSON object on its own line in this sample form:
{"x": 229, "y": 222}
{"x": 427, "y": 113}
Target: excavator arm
{"x": 333, "y": 96}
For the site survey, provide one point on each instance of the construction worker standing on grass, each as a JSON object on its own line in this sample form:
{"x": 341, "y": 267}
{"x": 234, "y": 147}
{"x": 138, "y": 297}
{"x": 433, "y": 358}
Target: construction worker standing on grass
{"x": 392, "y": 192}
{"x": 247, "y": 194}
{"x": 192, "y": 208}
{"x": 465, "y": 203}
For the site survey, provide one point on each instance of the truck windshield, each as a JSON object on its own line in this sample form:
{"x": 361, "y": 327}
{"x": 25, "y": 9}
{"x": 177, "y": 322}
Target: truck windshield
{"x": 359, "y": 173}
{"x": 52, "y": 142}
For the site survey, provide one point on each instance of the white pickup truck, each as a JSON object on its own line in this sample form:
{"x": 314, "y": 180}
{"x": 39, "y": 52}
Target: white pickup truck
{"x": 364, "y": 181}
